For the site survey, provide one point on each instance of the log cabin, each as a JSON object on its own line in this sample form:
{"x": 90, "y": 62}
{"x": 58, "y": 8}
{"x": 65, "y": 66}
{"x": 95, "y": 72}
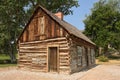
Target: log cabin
{"x": 50, "y": 44}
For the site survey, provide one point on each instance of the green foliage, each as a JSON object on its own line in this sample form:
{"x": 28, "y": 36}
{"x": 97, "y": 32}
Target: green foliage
{"x": 103, "y": 59}
{"x": 102, "y": 25}
{"x": 116, "y": 42}
{"x": 59, "y": 5}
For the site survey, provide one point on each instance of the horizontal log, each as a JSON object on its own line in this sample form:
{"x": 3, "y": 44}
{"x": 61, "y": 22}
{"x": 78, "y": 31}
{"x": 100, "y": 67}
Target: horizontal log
{"x": 24, "y": 60}
{"x": 63, "y": 45}
{"x": 41, "y": 49}
{"x": 38, "y": 66}
{"x": 64, "y": 48}
{"x": 64, "y": 67}
{"x": 58, "y": 42}
{"x": 32, "y": 47}
{"x": 64, "y": 64}
{"x": 62, "y": 53}
{"x": 54, "y": 39}
{"x": 40, "y": 63}
{"x": 64, "y": 57}
{"x": 37, "y": 70}
{"x": 64, "y": 61}
{"x": 31, "y": 54}
{"x": 25, "y": 51}
{"x": 40, "y": 54}
{"x": 27, "y": 64}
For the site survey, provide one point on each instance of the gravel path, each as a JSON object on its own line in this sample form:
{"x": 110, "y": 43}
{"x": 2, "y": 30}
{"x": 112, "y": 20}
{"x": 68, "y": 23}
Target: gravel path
{"x": 100, "y": 72}
{"x": 103, "y": 72}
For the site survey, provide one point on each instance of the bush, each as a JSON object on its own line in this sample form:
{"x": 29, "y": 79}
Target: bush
{"x": 103, "y": 59}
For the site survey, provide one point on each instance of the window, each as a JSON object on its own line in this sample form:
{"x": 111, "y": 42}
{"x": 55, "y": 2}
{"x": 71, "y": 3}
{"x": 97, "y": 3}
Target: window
{"x": 42, "y": 24}
{"x": 92, "y": 55}
{"x": 79, "y": 51}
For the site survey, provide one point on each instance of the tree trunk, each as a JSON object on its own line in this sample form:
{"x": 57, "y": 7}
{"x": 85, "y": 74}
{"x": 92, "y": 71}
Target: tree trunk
{"x": 11, "y": 54}
{"x": 106, "y": 51}
{"x": 100, "y": 51}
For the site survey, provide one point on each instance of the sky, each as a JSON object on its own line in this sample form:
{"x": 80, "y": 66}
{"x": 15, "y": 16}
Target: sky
{"x": 79, "y": 13}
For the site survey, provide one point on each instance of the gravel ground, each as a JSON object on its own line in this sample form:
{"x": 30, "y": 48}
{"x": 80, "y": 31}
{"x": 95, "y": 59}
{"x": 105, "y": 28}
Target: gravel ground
{"x": 100, "y": 72}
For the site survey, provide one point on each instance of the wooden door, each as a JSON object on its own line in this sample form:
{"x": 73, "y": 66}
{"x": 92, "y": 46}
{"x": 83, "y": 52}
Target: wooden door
{"x": 53, "y": 59}
{"x": 86, "y": 57}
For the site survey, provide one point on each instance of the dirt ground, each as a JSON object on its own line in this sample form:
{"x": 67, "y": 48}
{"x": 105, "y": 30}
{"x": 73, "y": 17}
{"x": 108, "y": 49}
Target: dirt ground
{"x": 100, "y": 72}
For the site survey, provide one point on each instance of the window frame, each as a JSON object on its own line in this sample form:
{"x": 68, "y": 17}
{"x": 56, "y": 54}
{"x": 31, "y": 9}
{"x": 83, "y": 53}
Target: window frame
{"x": 92, "y": 53}
{"x": 79, "y": 54}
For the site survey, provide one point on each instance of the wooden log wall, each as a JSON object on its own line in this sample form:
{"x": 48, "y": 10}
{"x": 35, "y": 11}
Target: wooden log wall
{"x": 33, "y": 55}
{"x": 74, "y": 55}
{"x": 73, "y": 61}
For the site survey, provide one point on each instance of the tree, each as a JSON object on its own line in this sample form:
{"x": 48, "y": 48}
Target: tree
{"x": 102, "y": 25}
{"x": 56, "y": 5}
{"x": 15, "y": 14}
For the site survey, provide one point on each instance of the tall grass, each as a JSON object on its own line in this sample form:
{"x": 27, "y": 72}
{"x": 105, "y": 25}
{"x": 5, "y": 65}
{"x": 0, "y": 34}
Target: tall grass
{"x": 5, "y": 61}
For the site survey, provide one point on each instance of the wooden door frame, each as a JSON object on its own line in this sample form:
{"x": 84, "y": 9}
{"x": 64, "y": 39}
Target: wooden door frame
{"x": 48, "y": 53}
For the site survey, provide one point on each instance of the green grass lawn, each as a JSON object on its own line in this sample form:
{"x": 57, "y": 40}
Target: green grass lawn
{"x": 7, "y": 65}
{"x": 5, "y": 61}
{"x": 4, "y": 57}
{"x": 113, "y": 59}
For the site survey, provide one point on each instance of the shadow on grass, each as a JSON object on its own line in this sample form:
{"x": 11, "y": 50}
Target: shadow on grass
{"x": 114, "y": 57}
{"x": 7, "y": 63}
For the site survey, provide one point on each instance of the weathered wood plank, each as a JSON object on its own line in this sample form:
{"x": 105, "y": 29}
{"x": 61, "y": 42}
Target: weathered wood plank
{"x": 32, "y": 47}
{"x": 64, "y": 64}
{"x": 54, "y": 39}
{"x": 64, "y": 67}
{"x": 65, "y": 48}
{"x": 30, "y": 51}
{"x": 63, "y": 54}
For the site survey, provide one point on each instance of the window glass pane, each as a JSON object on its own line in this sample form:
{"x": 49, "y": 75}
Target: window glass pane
{"x": 92, "y": 55}
{"x": 79, "y": 50}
